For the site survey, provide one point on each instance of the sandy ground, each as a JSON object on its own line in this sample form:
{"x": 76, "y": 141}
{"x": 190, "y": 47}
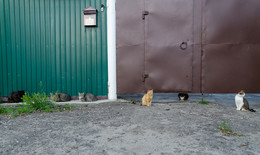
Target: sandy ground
{"x": 125, "y": 128}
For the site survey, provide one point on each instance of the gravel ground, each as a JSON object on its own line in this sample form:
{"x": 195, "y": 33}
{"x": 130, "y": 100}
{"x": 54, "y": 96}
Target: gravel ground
{"x": 125, "y": 128}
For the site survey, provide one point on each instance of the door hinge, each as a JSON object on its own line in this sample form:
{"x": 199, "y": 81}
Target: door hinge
{"x": 145, "y": 13}
{"x": 145, "y": 76}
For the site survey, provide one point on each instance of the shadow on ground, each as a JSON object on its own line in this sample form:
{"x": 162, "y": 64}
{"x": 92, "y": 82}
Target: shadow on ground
{"x": 223, "y": 99}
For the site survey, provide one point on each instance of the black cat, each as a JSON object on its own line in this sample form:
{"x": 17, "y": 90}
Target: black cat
{"x": 183, "y": 96}
{"x": 15, "y": 96}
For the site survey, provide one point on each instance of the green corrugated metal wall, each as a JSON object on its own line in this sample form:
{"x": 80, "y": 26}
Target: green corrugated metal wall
{"x": 45, "y": 41}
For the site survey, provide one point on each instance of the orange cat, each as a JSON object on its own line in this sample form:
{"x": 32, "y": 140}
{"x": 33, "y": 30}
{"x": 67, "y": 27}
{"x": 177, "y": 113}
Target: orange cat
{"x": 147, "y": 99}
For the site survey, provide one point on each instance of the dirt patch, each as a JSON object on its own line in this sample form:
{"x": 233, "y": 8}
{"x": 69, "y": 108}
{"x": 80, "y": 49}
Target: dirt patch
{"x": 125, "y": 128}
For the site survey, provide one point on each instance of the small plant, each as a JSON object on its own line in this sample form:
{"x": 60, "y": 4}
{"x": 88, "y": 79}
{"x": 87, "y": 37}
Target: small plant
{"x": 56, "y": 107}
{"x": 67, "y": 107}
{"x": 227, "y": 130}
{"x": 24, "y": 109}
{"x": 133, "y": 101}
{"x": 14, "y": 115}
{"x": 20, "y": 110}
{"x": 38, "y": 102}
{"x": 204, "y": 102}
{"x": 4, "y": 110}
{"x": 224, "y": 128}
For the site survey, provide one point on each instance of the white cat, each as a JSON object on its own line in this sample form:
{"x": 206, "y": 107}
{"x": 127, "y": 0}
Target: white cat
{"x": 241, "y": 102}
{"x": 239, "y": 99}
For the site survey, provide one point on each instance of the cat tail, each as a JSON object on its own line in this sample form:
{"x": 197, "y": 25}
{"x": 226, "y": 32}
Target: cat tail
{"x": 252, "y": 110}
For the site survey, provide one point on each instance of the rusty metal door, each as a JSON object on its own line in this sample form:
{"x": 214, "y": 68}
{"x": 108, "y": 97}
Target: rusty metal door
{"x": 197, "y": 46}
{"x": 130, "y": 46}
{"x": 168, "y": 45}
{"x": 231, "y": 49}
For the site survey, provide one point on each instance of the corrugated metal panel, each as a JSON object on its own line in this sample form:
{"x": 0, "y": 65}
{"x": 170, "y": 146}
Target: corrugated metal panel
{"x": 45, "y": 41}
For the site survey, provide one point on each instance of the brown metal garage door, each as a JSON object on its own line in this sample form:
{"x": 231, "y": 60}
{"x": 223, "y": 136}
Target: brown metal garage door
{"x": 231, "y": 46}
{"x": 198, "y": 46}
{"x": 155, "y": 46}
{"x": 168, "y": 45}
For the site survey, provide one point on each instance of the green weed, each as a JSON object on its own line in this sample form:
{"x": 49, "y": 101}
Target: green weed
{"x": 49, "y": 110}
{"x": 56, "y": 107}
{"x": 227, "y": 130}
{"x": 20, "y": 110}
{"x": 24, "y": 109}
{"x": 4, "y": 110}
{"x": 204, "y": 102}
{"x": 67, "y": 107}
{"x": 37, "y": 102}
{"x": 14, "y": 115}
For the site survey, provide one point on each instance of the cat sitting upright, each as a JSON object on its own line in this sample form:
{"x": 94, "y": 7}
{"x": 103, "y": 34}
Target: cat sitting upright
{"x": 87, "y": 97}
{"x": 241, "y": 102}
{"x": 183, "y": 96}
{"x": 60, "y": 97}
{"x": 15, "y": 96}
{"x": 147, "y": 98}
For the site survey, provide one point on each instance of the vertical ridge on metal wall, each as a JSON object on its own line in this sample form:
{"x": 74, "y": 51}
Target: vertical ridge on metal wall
{"x": 104, "y": 54}
{"x": 45, "y": 47}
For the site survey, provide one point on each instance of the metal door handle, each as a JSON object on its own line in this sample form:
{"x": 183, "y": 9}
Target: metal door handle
{"x": 145, "y": 13}
{"x": 184, "y": 45}
{"x": 145, "y": 76}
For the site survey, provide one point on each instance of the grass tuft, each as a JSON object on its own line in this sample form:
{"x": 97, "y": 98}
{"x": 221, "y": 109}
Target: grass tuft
{"x": 204, "y": 102}
{"x": 227, "y": 130}
{"x": 38, "y": 102}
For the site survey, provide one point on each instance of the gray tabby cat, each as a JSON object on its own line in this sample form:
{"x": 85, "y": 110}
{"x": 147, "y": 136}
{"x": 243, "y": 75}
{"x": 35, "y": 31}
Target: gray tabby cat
{"x": 87, "y": 97}
{"x": 60, "y": 97}
{"x": 246, "y": 106}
